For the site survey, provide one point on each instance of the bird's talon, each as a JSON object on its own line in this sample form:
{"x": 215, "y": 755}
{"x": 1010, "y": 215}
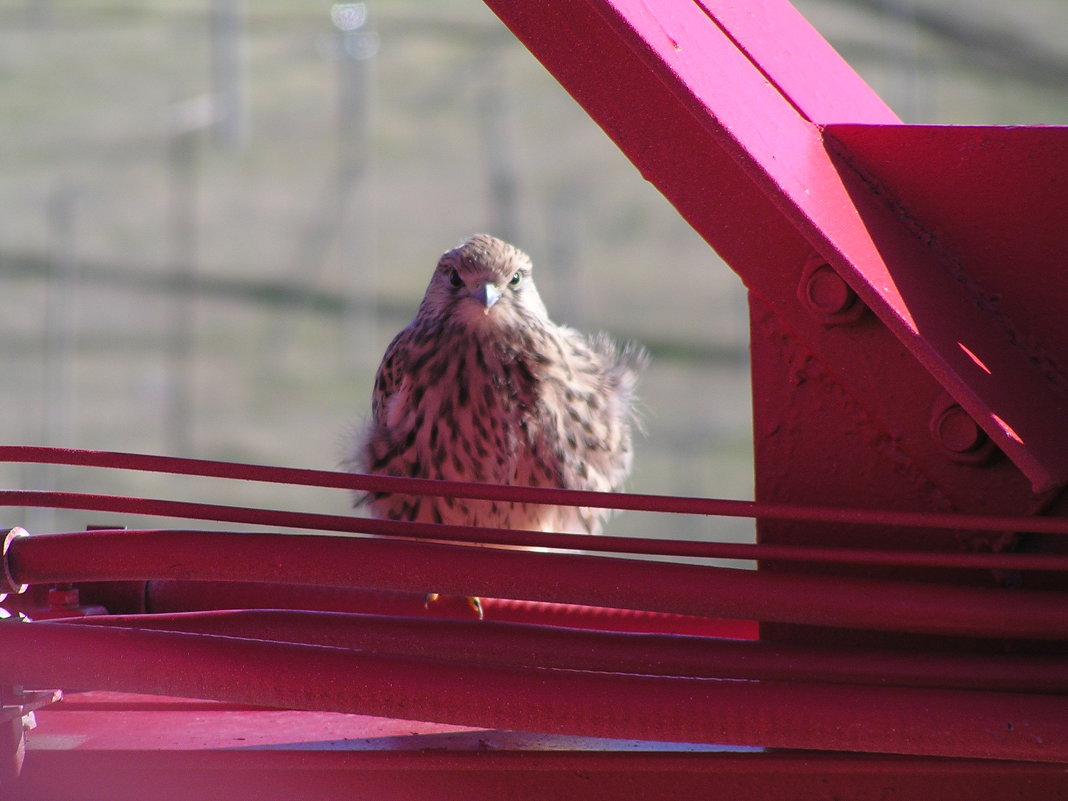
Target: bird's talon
{"x": 461, "y": 605}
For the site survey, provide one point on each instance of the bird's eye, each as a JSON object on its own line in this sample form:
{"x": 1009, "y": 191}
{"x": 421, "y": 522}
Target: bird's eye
{"x": 515, "y": 279}
{"x": 455, "y": 279}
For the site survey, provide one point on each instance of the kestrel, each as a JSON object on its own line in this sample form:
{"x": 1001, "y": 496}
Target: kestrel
{"x": 483, "y": 386}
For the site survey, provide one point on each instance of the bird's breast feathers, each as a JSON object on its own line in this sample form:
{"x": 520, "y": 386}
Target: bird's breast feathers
{"x": 504, "y": 396}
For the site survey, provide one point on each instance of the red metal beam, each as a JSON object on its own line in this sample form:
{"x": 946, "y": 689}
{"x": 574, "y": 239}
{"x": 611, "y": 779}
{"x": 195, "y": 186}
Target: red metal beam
{"x": 183, "y": 596}
{"x": 797, "y": 61}
{"x": 877, "y": 605}
{"x": 488, "y": 643}
{"x": 692, "y": 549}
{"x": 786, "y": 715}
{"x": 478, "y": 766}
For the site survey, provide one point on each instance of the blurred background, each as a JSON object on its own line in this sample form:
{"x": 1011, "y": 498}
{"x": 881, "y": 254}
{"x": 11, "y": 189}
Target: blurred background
{"x": 217, "y": 213}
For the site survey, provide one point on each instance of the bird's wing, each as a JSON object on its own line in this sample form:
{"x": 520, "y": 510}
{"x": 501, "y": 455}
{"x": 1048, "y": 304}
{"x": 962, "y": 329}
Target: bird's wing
{"x": 604, "y": 413}
{"x": 389, "y": 377}
{"x": 588, "y": 417}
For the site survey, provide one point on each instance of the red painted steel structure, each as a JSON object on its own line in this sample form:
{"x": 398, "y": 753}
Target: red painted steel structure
{"x": 905, "y": 339}
{"x": 393, "y": 565}
{"x": 908, "y": 340}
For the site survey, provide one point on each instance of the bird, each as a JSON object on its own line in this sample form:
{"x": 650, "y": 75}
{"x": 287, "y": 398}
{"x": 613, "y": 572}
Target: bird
{"x": 483, "y": 386}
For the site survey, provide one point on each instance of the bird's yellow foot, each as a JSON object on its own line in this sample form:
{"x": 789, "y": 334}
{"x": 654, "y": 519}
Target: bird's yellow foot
{"x": 454, "y": 605}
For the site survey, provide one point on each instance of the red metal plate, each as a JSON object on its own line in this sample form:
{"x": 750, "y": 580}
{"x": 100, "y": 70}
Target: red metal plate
{"x": 176, "y": 749}
{"x": 991, "y": 201}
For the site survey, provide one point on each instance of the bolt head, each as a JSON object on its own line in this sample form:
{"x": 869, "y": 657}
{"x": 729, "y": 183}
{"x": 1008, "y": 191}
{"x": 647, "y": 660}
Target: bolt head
{"x": 830, "y": 299}
{"x": 959, "y": 435}
{"x": 827, "y": 293}
{"x": 957, "y": 432}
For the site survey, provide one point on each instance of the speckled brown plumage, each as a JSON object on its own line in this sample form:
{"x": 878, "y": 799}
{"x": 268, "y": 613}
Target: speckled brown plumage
{"x": 483, "y": 386}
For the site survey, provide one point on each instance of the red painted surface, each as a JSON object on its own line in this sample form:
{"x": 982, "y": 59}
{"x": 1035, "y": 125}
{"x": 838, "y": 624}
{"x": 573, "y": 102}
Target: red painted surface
{"x": 208, "y": 751}
{"x": 989, "y": 201}
{"x": 808, "y": 715}
{"x": 393, "y": 565}
{"x": 492, "y": 643}
{"x": 183, "y": 596}
{"x": 908, "y": 344}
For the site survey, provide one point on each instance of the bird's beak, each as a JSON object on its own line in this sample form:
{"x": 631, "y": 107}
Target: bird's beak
{"x": 487, "y": 295}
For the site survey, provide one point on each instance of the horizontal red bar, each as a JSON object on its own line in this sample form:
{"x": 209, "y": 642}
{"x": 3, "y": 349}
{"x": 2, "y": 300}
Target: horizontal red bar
{"x": 540, "y": 539}
{"x": 539, "y": 771}
{"x": 184, "y": 596}
{"x": 383, "y": 564}
{"x": 509, "y": 644}
{"x": 775, "y": 714}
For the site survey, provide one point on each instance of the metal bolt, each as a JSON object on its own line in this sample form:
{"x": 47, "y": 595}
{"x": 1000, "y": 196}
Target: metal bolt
{"x": 827, "y": 296}
{"x": 958, "y": 432}
{"x": 962, "y": 438}
{"x": 827, "y": 293}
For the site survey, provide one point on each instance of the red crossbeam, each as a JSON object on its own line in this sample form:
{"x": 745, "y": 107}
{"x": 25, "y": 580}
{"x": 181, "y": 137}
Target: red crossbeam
{"x": 384, "y": 564}
{"x": 509, "y": 644}
{"x": 187, "y": 596}
{"x": 776, "y": 714}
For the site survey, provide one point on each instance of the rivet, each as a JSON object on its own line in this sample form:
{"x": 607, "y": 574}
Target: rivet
{"x": 827, "y": 296}
{"x": 960, "y": 436}
{"x": 958, "y": 432}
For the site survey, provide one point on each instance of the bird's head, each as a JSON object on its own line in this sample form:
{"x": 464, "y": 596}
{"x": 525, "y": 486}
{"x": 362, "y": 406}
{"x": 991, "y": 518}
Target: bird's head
{"x": 484, "y": 282}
